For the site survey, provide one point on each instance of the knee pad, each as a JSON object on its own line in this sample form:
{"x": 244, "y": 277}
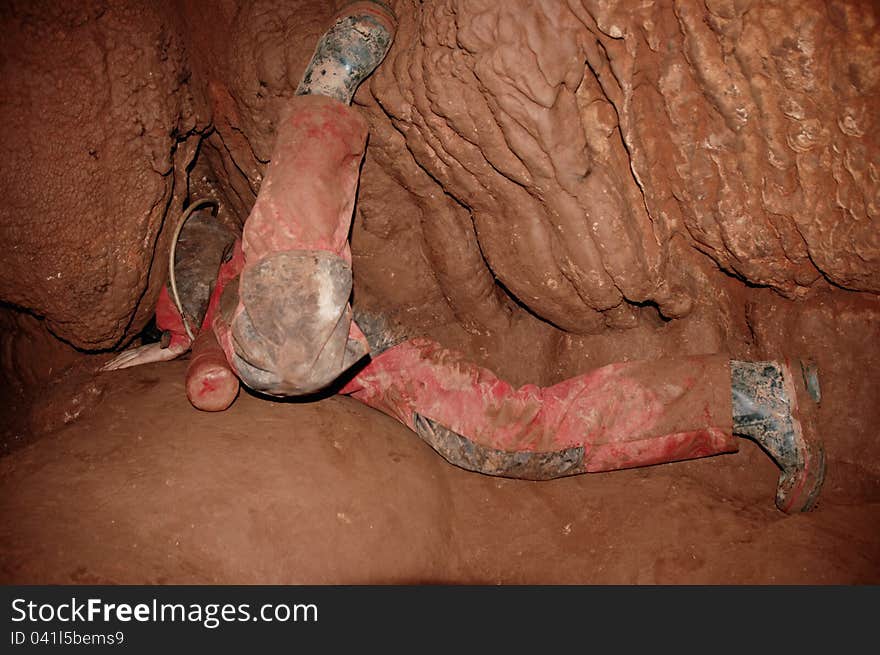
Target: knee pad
{"x": 291, "y": 323}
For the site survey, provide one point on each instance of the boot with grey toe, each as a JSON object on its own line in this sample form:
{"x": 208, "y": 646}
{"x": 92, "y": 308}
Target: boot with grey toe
{"x": 766, "y": 398}
{"x": 349, "y": 51}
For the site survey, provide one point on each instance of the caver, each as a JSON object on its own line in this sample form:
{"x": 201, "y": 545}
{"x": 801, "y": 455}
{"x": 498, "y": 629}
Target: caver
{"x": 271, "y": 308}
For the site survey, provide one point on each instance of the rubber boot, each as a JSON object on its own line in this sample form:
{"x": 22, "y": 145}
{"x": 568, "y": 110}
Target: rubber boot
{"x": 349, "y": 51}
{"x": 765, "y": 409}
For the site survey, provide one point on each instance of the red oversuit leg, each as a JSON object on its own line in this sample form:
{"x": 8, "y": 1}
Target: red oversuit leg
{"x": 288, "y": 329}
{"x": 619, "y": 416}
{"x": 304, "y": 208}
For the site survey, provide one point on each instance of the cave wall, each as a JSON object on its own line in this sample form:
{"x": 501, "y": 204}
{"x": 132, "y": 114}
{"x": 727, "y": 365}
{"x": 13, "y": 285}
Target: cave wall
{"x": 99, "y": 126}
{"x": 585, "y": 138}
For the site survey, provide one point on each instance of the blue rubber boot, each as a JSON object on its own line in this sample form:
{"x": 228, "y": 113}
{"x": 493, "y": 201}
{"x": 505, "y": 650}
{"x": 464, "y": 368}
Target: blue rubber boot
{"x": 765, "y": 409}
{"x": 349, "y": 51}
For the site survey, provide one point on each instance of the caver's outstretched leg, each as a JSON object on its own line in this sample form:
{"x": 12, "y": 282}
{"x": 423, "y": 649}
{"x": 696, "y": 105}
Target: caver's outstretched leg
{"x": 286, "y": 324}
{"x": 280, "y": 311}
{"x": 619, "y": 416}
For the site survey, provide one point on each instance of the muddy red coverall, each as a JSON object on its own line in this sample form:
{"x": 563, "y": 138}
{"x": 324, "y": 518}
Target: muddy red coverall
{"x": 619, "y": 416}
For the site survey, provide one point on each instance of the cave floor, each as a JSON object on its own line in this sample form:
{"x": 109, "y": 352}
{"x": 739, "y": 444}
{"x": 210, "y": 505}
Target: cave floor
{"x": 143, "y": 489}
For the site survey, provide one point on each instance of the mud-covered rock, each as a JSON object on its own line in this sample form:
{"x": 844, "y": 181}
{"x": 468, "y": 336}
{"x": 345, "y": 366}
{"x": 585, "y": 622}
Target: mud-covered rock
{"x": 95, "y": 115}
{"x": 583, "y": 137}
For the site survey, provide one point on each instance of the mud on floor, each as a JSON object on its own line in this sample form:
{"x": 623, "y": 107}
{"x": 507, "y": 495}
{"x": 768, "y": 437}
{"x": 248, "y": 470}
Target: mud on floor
{"x": 145, "y": 489}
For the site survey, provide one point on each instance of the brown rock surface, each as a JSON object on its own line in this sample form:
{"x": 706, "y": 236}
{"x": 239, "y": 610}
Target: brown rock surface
{"x": 146, "y": 489}
{"x": 97, "y": 132}
{"x": 743, "y": 128}
{"x": 46, "y": 383}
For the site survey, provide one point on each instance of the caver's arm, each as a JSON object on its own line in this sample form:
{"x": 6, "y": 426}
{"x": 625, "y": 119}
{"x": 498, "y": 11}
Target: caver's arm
{"x": 202, "y": 245}
{"x": 175, "y": 341}
{"x": 148, "y": 353}
{"x": 206, "y": 247}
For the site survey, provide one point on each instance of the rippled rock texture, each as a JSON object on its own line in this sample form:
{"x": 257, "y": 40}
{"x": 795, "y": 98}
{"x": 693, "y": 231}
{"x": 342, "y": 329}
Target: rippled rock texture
{"x": 590, "y": 141}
